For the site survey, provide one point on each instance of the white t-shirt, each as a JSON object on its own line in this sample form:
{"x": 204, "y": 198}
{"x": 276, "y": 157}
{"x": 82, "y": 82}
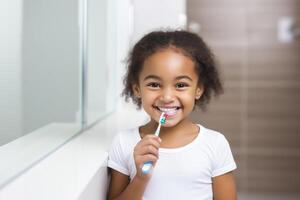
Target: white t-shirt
{"x": 180, "y": 173}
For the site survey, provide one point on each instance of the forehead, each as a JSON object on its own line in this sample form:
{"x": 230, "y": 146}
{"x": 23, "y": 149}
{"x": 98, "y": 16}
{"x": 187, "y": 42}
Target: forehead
{"x": 168, "y": 64}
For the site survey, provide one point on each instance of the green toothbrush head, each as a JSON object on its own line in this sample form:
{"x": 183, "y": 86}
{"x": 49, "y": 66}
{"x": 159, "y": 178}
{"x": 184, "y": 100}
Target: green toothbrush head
{"x": 163, "y": 119}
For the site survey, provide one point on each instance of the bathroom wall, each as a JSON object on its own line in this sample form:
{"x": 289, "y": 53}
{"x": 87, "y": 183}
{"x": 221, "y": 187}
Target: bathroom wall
{"x": 157, "y": 14}
{"x": 258, "y": 112}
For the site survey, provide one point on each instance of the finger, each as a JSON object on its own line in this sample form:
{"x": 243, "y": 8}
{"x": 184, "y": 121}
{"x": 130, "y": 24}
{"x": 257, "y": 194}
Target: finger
{"x": 147, "y": 158}
{"x": 152, "y": 136}
{"x": 150, "y": 141}
{"x": 149, "y": 149}
{"x": 143, "y": 149}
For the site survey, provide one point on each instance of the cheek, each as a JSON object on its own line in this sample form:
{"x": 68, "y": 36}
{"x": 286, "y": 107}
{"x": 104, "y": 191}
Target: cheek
{"x": 188, "y": 99}
{"x": 148, "y": 98}
{"x": 189, "y": 95}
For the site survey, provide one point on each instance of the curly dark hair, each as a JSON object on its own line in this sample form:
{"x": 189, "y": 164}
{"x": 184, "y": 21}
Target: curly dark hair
{"x": 190, "y": 45}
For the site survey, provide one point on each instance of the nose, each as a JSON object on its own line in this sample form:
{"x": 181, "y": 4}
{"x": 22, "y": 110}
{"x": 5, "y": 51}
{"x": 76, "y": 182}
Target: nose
{"x": 167, "y": 95}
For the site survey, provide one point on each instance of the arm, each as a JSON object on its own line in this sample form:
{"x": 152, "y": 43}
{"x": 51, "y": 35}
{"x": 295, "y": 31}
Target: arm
{"x": 224, "y": 187}
{"x": 121, "y": 188}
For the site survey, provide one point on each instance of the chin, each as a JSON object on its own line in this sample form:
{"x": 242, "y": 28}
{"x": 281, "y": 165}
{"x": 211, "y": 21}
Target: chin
{"x": 170, "y": 123}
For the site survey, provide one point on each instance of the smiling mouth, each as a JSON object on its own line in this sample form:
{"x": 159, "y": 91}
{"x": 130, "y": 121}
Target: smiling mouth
{"x": 170, "y": 111}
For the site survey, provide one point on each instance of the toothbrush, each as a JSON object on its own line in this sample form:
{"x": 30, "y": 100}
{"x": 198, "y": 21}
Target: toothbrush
{"x": 148, "y": 165}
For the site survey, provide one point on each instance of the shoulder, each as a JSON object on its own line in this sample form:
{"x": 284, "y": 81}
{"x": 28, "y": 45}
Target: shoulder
{"x": 120, "y": 152}
{"x": 126, "y": 138}
{"x": 214, "y": 140}
{"x": 220, "y": 152}
{"x": 123, "y": 144}
{"x": 212, "y": 136}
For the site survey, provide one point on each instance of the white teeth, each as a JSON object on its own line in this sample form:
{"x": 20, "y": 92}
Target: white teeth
{"x": 168, "y": 111}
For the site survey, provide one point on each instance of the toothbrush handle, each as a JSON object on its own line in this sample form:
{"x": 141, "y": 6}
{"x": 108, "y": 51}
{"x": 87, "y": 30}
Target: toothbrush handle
{"x": 157, "y": 130}
{"x": 147, "y": 166}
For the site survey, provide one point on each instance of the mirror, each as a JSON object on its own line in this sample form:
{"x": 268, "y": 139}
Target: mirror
{"x": 101, "y": 48}
{"x": 40, "y": 80}
{"x": 57, "y": 76}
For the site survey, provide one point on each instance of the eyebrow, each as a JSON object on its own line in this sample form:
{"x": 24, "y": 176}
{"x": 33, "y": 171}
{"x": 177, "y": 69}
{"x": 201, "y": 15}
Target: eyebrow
{"x": 158, "y": 78}
{"x": 184, "y": 77}
{"x": 152, "y": 77}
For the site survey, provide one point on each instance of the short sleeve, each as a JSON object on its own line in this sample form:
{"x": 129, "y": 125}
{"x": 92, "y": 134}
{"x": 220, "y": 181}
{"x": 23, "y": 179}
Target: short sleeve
{"x": 117, "y": 156}
{"x": 223, "y": 159}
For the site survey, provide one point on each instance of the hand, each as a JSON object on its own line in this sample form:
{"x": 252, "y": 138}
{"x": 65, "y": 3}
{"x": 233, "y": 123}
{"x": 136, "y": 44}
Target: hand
{"x": 146, "y": 150}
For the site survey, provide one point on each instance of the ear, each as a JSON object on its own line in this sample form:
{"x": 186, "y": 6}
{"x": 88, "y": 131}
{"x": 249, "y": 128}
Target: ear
{"x": 199, "y": 92}
{"x": 136, "y": 91}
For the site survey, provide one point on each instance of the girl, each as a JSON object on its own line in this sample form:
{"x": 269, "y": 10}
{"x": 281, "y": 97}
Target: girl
{"x": 171, "y": 72}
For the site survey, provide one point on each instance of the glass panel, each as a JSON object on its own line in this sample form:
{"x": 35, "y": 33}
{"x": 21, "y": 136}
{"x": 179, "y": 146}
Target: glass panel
{"x": 41, "y": 60}
{"x": 50, "y": 63}
{"x": 39, "y": 80}
{"x": 101, "y": 65}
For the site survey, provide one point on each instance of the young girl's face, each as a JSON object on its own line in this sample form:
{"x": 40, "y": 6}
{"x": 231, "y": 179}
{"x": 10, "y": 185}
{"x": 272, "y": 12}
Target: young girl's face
{"x": 168, "y": 83}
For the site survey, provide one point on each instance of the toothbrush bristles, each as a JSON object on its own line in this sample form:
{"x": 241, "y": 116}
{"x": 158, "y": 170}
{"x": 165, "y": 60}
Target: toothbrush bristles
{"x": 163, "y": 118}
{"x": 162, "y": 121}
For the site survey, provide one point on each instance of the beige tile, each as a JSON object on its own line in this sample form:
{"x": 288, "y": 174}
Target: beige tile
{"x": 259, "y": 112}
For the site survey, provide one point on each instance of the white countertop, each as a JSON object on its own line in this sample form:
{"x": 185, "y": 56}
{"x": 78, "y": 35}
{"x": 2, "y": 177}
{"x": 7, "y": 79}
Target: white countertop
{"x": 67, "y": 172}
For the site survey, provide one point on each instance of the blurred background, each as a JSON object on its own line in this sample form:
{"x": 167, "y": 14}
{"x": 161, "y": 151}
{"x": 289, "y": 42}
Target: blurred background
{"x": 259, "y": 58}
{"x": 63, "y": 61}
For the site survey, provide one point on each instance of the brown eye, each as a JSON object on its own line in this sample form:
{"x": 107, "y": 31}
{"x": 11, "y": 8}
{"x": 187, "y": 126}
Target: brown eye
{"x": 181, "y": 85}
{"x": 153, "y": 85}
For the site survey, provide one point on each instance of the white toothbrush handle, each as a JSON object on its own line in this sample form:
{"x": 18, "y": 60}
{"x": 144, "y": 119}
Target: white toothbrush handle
{"x": 157, "y": 130}
{"x": 147, "y": 166}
